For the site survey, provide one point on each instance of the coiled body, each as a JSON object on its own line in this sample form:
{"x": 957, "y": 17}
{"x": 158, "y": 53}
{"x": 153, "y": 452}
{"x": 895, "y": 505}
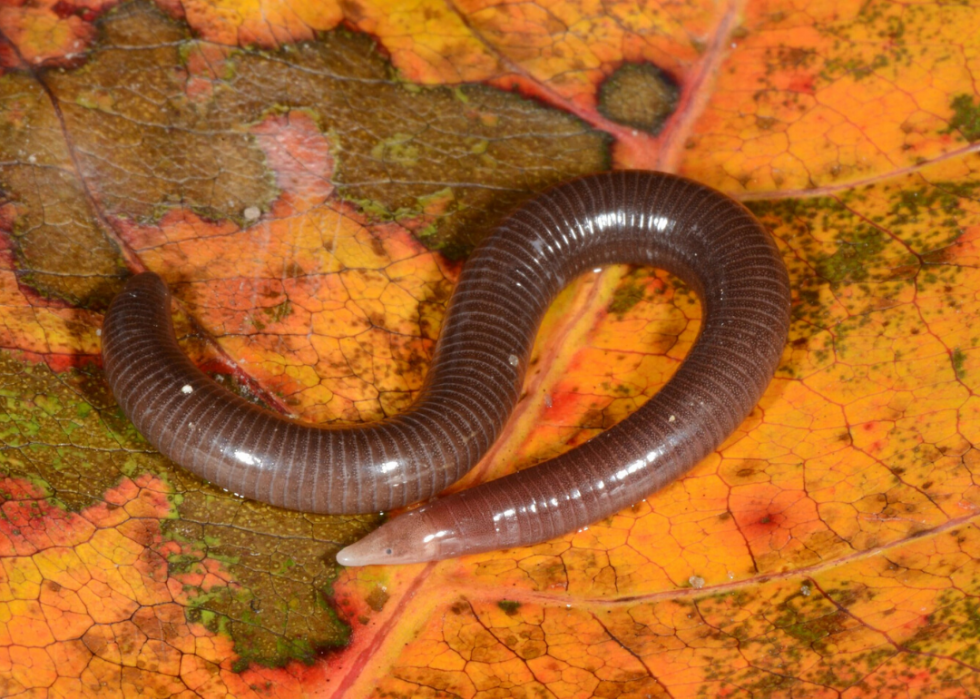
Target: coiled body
{"x": 698, "y": 234}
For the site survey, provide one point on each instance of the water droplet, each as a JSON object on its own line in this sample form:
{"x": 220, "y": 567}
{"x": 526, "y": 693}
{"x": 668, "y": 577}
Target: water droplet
{"x": 697, "y": 582}
{"x": 252, "y": 213}
{"x": 187, "y": 389}
{"x": 513, "y": 360}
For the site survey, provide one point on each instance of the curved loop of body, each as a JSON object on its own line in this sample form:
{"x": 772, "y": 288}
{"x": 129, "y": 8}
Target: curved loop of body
{"x": 711, "y": 242}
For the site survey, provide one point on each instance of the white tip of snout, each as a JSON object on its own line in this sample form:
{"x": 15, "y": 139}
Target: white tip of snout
{"x": 348, "y": 558}
{"x": 366, "y": 552}
{"x": 344, "y": 558}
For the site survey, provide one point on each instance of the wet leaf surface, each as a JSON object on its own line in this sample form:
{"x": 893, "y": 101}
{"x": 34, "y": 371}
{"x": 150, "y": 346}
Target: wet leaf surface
{"x": 308, "y": 177}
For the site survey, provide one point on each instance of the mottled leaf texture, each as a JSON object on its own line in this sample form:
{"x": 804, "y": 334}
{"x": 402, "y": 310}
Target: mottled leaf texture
{"x": 309, "y": 176}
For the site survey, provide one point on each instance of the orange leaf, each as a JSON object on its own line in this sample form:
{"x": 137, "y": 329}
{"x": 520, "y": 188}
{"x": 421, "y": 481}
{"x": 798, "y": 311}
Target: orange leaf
{"x": 309, "y": 176}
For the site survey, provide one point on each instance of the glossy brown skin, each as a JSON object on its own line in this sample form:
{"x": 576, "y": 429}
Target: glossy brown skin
{"x": 711, "y": 242}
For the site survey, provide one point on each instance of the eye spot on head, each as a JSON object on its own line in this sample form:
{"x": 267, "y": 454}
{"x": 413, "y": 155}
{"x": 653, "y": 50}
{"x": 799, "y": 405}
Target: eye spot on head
{"x": 389, "y": 551}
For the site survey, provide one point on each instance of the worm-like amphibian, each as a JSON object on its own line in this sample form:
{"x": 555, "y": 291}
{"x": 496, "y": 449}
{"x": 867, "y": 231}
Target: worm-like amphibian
{"x": 708, "y": 240}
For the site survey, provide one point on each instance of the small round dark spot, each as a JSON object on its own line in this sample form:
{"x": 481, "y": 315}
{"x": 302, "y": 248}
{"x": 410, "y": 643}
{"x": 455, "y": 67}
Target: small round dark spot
{"x": 639, "y": 95}
{"x": 389, "y": 551}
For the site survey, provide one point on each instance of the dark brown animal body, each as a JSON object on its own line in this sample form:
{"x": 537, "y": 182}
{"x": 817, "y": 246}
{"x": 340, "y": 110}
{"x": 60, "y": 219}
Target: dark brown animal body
{"x": 698, "y": 234}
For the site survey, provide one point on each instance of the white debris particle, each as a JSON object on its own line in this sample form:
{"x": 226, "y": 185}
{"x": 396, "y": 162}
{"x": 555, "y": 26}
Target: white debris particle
{"x": 805, "y": 590}
{"x": 252, "y": 213}
{"x": 31, "y": 159}
{"x": 547, "y": 401}
{"x": 697, "y": 582}
{"x": 98, "y": 332}
{"x": 187, "y": 389}
{"x": 672, "y": 418}
{"x": 513, "y": 360}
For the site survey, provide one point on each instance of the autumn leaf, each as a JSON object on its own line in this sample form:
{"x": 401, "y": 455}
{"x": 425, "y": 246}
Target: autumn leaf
{"x": 310, "y": 176}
